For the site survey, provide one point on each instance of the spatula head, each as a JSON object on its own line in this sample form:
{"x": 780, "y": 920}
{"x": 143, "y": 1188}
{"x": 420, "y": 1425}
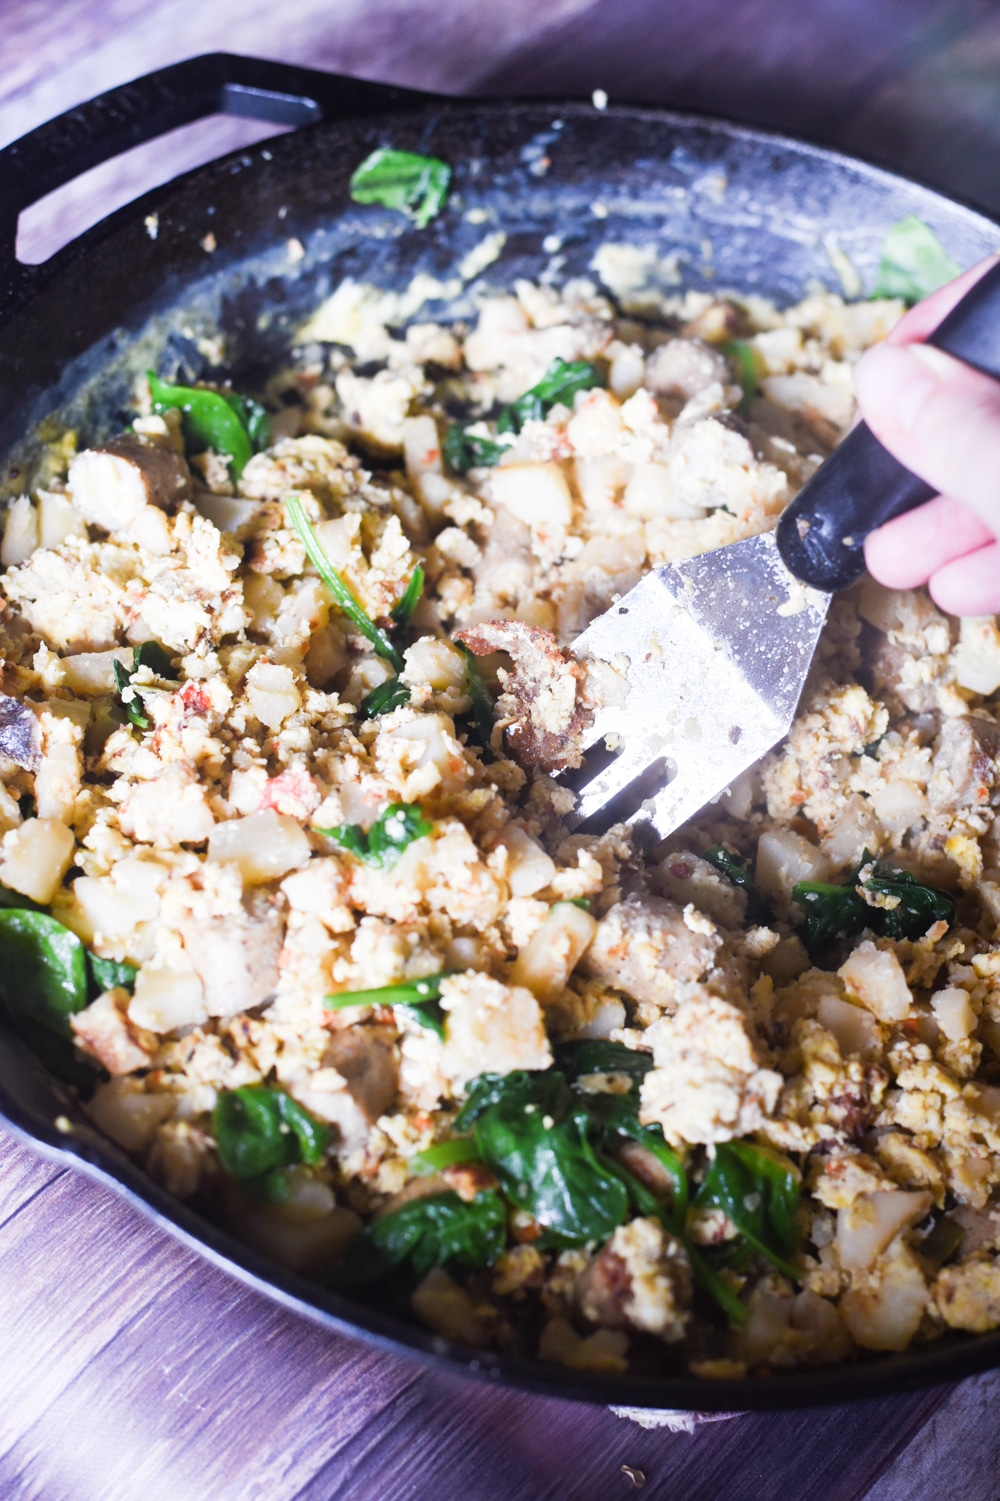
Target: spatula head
{"x": 712, "y": 655}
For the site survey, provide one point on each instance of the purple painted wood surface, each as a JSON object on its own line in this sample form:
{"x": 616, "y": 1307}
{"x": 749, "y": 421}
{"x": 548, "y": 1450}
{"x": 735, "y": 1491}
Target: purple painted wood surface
{"x": 128, "y": 1368}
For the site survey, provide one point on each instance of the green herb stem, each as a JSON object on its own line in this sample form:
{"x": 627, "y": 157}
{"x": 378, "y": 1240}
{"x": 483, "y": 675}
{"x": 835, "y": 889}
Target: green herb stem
{"x": 345, "y": 600}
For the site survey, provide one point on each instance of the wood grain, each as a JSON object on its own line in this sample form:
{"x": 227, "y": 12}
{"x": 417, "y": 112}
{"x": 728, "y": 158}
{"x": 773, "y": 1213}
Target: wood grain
{"x": 129, "y": 1368}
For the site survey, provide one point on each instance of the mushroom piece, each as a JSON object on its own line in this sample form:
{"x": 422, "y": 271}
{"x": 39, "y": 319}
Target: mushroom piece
{"x": 542, "y": 706}
{"x": 644, "y": 947}
{"x": 112, "y": 484}
{"x": 235, "y": 957}
{"x": 20, "y": 737}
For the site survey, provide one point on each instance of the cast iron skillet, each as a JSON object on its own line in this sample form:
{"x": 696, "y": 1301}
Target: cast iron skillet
{"x": 716, "y": 204}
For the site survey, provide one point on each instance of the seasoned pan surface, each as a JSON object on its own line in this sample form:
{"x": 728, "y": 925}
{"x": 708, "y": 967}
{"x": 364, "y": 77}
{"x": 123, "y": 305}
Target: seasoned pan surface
{"x": 248, "y": 246}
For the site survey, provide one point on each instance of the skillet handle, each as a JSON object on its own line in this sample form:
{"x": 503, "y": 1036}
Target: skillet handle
{"x": 861, "y": 486}
{"x": 216, "y": 83}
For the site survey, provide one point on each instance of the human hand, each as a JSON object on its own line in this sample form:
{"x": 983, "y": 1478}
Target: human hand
{"x": 942, "y": 420}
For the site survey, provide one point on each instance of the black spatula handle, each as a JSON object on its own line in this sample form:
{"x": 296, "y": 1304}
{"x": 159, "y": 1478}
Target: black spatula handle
{"x": 861, "y": 486}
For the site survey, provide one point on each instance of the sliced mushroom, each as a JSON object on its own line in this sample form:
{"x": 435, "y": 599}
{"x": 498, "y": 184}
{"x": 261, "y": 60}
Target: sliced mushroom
{"x": 112, "y": 484}
{"x": 20, "y": 737}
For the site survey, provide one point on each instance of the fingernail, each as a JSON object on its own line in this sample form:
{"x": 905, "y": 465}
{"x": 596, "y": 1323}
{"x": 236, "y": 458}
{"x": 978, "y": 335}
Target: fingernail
{"x": 895, "y": 380}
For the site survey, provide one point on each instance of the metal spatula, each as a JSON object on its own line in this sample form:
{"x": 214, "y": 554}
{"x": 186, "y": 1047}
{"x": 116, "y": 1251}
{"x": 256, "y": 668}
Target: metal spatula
{"x": 715, "y": 650}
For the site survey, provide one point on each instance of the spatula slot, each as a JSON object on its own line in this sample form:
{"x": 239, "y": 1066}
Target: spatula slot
{"x": 596, "y": 759}
{"x": 629, "y": 802}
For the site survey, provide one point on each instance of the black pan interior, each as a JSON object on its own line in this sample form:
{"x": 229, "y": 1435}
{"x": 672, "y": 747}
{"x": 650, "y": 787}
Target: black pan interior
{"x": 718, "y": 206}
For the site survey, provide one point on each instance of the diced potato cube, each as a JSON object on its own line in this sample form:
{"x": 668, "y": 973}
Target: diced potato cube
{"x": 123, "y": 1111}
{"x": 854, "y": 1028}
{"x": 785, "y": 858}
{"x": 954, "y": 1013}
{"x": 58, "y": 519}
{"x": 536, "y": 494}
{"x": 438, "y": 664}
{"x": 977, "y": 656}
{"x": 265, "y": 845}
{"x": 650, "y": 493}
{"x": 165, "y": 999}
{"x": 887, "y": 1314}
{"x": 57, "y": 782}
{"x": 93, "y": 672}
{"x": 272, "y": 693}
{"x": 875, "y": 977}
{"x": 20, "y": 534}
{"x": 529, "y": 868}
{"x": 36, "y": 856}
{"x": 551, "y": 954}
{"x": 421, "y": 451}
{"x": 867, "y": 1225}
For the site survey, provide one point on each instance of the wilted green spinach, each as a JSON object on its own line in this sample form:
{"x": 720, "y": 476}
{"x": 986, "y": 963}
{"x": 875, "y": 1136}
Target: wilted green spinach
{"x": 736, "y": 868}
{"x": 834, "y": 912}
{"x": 233, "y": 425}
{"x": 395, "y": 829}
{"x": 152, "y": 655}
{"x": 416, "y": 185}
{"x": 914, "y": 263}
{"x": 259, "y": 1131}
{"x": 441, "y": 1230}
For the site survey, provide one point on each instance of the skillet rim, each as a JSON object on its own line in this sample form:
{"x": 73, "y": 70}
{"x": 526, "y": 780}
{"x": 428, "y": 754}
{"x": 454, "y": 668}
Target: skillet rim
{"x": 97, "y": 1158}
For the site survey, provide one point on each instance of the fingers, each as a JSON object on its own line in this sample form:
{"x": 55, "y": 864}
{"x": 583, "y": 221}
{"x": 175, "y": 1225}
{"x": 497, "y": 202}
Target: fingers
{"x": 970, "y": 585}
{"x": 905, "y": 553}
{"x": 923, "y": 319}
{"x": 938, "y": 417}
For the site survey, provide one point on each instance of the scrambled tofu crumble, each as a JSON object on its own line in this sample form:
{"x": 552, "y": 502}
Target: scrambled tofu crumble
{"x": 248, "y": 813}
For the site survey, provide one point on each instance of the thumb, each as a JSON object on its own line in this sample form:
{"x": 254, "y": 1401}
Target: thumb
{"x": 939, "y": 417}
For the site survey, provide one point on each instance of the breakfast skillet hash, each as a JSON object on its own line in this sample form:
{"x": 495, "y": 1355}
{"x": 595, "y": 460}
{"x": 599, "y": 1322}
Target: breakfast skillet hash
{"x": 288, "y": 728}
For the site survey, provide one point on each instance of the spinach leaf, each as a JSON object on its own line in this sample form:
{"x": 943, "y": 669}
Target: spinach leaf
{"x": 759, "y": 1191}
{"x": 416, "y": 185}
{"x": 441, "y": 1230}
{"x": 615, "y": 1115}
{"x": 914, "y": 262}
{"x": 748, "y": 367}
{"x": 109, "y": 974}
{"x": 557, "y": 387}
{"x": 550, "y": 1147}
{"x": 396, "y": 827}
{"x": 391, "y": 694}
{"x": 259, "y": 1130}
{"x": 591, "y": 1055}
{"x": 480, "y": 716}
{"x": 230, "y": 424}
{"x": 910, "y": 906}
{"x": 343, "y": 597}
{"x": 404, "y": 608}
{"x": 489, "y": 1089}
{"x": 548, "y": 1167}
{"x": 255, "y": 418}
{"x": 464, "y": 450}
{"x": 834, "y": 913}
{"x": 43, "y": 970}
{"x": 419, "y": 999}
{"x": 536, "y": 1138}
{"x": 562, "y": 380}
{"x": 735, "y": 867}
{"x": 152, "y": 655}
{"x": 445, "y": 1154}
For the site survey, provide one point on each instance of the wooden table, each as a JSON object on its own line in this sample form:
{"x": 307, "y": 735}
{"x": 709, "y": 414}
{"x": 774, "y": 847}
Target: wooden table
{"x": 128, "y": 1368}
